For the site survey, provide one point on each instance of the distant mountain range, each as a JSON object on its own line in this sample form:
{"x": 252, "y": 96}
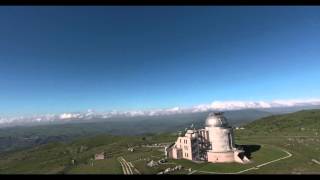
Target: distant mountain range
{"x": 32, "y": 134}
{"x": 274, "y": 107}
{"x": 16, "y": 137}
{"x": 22, "y": 132}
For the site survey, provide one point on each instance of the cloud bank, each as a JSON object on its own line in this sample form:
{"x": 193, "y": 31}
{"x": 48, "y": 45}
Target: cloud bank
{"x": 214, "y": 106}
{"x": 236, "y": 105}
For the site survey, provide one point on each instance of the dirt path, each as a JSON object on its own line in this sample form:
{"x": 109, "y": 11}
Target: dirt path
{"x": 127, "y": 167}
{"x": 315, "y": 161}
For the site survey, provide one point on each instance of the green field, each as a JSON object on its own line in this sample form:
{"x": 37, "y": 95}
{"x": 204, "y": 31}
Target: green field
{"x": 267, "y": 138}
{"x": 108, "y": 166}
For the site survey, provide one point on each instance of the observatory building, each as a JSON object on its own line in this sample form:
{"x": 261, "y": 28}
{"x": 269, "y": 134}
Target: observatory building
{"x": 214, "y": 143}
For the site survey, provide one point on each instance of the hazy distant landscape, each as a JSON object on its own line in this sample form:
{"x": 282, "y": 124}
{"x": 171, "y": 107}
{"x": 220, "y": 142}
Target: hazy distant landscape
{"x": 296, "y": 132}
{"x": 27, "y": 136}
{"x": 17, "y": 137}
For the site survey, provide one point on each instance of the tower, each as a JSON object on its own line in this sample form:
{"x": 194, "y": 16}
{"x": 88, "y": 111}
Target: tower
{"x": 220, "y": 134}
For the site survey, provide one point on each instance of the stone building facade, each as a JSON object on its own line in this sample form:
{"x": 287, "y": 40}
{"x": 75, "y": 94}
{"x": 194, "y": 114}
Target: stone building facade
{"x": 214, "y": 143}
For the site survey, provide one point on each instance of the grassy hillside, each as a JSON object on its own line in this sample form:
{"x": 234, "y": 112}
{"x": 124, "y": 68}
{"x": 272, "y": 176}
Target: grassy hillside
{"x": 298, "y": 133}
{"x": 302, "y": 123}
{"x": 57, "y": 157}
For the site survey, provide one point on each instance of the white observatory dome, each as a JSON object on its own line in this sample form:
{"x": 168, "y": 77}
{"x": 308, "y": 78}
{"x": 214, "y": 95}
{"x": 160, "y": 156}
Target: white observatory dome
{"x": 216, "y": 120}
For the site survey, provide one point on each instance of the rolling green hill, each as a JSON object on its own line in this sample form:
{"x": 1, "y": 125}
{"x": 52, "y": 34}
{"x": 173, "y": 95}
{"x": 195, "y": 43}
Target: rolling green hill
{"x": 302, "y": 123}
{"x": 295, "y": 133}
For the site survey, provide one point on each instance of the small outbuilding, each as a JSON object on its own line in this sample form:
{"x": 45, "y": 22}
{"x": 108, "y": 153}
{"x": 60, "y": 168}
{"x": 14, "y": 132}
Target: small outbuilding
{"x": 99, "y": 156}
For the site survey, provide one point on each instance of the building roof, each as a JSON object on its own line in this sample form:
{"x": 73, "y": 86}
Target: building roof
{"x": 190, "y": 131}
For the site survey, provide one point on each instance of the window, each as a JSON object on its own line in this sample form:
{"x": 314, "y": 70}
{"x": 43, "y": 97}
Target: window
{"x": 230, "y": 139}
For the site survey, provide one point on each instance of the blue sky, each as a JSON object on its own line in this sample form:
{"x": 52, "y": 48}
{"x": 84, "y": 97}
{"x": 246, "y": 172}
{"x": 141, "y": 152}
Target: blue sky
{"x": 60, "y": 59}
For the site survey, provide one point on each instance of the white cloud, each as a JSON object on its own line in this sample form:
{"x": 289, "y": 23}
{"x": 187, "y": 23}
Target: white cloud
{"x": 175, "y": 109}
{"x": 68, "y": 116}
{"x": 236, "y": 105}
{"x": 215, "y": 105}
